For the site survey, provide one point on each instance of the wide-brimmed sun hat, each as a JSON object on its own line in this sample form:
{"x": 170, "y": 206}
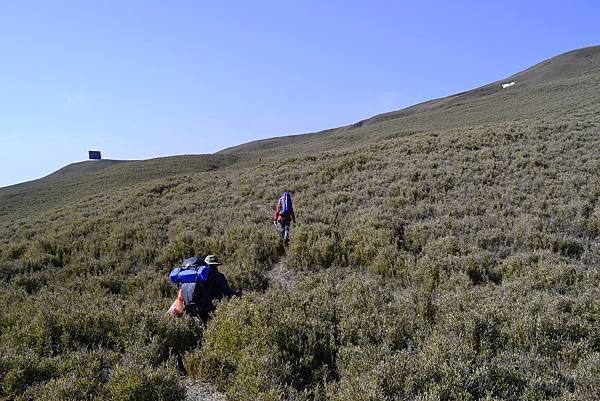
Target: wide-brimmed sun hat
{"x": 212, "y": 260}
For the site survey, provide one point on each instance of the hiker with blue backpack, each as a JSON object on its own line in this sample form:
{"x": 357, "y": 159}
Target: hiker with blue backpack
{"x": 284, "y": 215}
{"x": 201, "y": 285}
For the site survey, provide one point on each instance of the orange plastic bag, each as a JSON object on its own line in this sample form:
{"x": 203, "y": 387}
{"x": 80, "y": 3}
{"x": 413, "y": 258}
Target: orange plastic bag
{"x": 176, "y": 309}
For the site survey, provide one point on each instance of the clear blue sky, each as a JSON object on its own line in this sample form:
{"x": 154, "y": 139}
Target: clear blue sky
{"x": 140, "y": 79}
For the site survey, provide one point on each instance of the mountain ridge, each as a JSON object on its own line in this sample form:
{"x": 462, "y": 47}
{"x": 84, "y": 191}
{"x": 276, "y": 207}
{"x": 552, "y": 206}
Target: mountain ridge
{"x": 98, "y": 176}
{"x": 572, "y": 64}
{"x": 566, "y": 84}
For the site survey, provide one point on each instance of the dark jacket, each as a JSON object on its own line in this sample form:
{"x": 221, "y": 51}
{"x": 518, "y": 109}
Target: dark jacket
{"x": 221, "y": 283}
{"x": 200, "y": 303}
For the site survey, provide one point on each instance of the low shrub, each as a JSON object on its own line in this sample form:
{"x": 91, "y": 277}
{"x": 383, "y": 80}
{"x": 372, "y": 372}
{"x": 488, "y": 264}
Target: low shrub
{"x": 134, "y": 381}
{"x": 314, "y": 247}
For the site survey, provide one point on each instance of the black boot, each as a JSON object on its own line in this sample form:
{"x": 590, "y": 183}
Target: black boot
{"x": 179, "y": 366}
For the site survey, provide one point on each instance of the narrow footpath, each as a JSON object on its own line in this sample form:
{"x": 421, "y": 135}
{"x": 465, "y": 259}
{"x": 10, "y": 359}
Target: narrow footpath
{"x": 204, "y": 391}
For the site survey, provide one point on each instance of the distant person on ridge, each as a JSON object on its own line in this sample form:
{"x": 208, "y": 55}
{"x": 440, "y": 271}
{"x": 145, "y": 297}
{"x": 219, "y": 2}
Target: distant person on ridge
{"x": 284, "y": 215}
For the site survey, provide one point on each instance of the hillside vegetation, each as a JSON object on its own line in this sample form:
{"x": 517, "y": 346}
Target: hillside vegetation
{"x": 446, "y": 252}
{"x": 95, "y": 177}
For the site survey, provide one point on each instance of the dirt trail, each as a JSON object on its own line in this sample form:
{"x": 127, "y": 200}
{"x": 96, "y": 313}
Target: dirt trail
{"x": 202, "y": 391}
{"x": 280, "y": 275}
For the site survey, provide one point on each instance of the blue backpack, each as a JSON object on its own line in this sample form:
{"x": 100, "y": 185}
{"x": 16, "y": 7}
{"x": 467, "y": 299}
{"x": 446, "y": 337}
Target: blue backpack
{"x": 191, "y": 270}
{"x": 285, "y": 204}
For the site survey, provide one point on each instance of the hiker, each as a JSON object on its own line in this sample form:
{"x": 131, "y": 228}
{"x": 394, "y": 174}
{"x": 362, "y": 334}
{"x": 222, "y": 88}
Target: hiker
{"x": 198, "y": 297}
{"x": 284, "y": 215}
{"x": 201, "y": 285}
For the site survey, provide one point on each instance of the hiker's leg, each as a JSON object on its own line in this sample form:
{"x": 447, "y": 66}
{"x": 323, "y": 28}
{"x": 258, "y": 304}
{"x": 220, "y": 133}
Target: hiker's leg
{"x": 286, "y": 231}
{"x": 179, "y": 366}
{"x": 281, "y": 229}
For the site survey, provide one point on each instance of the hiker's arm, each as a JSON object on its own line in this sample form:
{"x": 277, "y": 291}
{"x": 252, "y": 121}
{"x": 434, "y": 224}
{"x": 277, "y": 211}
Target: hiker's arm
{"x": 293, "y": 216}
{"x": 224, "y": 286}
{"x": 276, "y": 215}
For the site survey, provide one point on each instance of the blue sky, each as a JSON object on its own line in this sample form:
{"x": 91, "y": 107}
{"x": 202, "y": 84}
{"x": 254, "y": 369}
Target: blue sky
{"x": 141, "y": 79}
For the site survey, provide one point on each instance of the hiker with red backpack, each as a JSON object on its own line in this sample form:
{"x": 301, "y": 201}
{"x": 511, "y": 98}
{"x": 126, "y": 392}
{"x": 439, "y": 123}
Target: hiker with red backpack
{"x": 284, "y": 215}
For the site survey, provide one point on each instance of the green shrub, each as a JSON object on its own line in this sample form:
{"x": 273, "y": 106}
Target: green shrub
{"x": 133, "y": 382}
{"x": 314, "y": 247}
{"x": 518, "y": 265}
{"x": 20, "y": 371}
{"x": 294, "y": 338}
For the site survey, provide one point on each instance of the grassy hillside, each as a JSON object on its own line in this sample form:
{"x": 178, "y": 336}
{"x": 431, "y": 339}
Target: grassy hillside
{"x": 565, "y": 85}
{"x": 89, "y": 178}
{"x": 448, "y": 252}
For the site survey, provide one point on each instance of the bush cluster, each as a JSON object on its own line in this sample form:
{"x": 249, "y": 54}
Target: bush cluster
{"x": 455, "y": 264}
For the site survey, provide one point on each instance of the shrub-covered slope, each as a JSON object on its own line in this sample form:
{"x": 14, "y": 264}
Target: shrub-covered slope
{"x": 568, "y": 83}
{"x": 82, "y": 179}
{"x": 451, "y": 263}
